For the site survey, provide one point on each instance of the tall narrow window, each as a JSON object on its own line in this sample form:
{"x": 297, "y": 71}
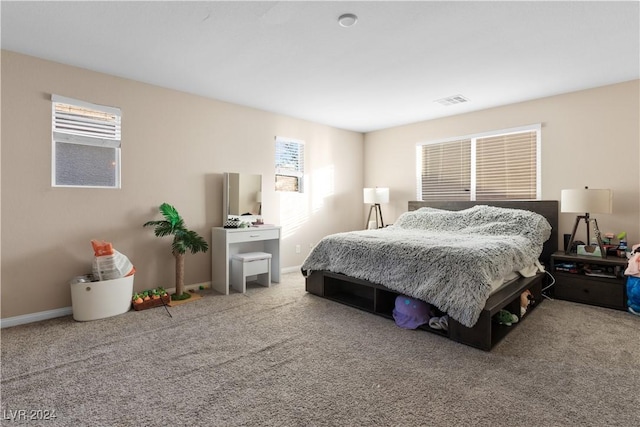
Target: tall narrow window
{"x": 85, "y": 144}
{"x": 289, "y": 165}
{"x": 500, "y": 165}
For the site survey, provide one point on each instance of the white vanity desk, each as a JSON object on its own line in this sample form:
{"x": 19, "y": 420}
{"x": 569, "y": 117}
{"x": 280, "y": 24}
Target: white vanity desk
{"x": 227, "y": 242}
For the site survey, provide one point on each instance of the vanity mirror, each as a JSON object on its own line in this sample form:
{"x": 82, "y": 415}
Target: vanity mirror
{"x": 242, "y": 196}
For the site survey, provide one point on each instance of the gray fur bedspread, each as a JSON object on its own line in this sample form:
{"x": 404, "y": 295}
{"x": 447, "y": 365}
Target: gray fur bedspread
{"x": 447, "y": 258}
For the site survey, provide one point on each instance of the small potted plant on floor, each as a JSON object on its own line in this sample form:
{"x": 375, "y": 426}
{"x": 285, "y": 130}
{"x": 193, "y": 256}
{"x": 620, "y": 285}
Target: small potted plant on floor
{"x": 150, "y": 298}
{"x": 183, "y": 240}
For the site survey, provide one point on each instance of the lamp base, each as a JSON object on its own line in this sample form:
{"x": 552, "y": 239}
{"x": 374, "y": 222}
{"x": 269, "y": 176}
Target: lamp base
{"x": 378, "y": 213}
{"x": 587, "y": 220}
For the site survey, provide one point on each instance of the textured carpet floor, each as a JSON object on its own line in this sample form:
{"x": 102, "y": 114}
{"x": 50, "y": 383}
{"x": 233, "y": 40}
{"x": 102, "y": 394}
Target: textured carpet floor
{"x": 281, "y": 357}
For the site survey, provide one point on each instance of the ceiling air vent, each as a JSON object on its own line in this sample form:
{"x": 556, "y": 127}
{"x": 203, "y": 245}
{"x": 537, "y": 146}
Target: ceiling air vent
{"x": 451, "y": 100}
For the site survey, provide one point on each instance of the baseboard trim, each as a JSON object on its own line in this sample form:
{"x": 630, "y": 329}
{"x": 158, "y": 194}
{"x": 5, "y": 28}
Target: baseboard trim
{"x": 66, "y": 311}
{"x": 35, "y": 317}
{"x": 290, "y": 269}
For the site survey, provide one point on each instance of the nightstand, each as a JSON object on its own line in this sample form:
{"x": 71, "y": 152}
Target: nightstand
{"x": 590, "y": 280}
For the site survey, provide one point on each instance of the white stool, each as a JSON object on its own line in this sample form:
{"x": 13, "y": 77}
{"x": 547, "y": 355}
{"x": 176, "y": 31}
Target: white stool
{"x": 250, "y": 264}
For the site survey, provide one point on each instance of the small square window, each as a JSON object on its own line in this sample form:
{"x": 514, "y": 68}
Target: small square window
{"x": 85, "y": 144}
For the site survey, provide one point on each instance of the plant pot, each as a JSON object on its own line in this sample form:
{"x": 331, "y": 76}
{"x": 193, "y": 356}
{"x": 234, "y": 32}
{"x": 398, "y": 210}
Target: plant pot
{"x": 150, "y": 303}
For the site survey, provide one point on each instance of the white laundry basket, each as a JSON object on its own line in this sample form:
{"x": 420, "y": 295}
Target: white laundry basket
{"x": 97, "y": 300}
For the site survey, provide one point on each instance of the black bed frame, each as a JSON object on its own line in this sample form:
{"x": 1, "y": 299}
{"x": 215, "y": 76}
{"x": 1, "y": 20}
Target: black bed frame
{"x": 487, "y": 332}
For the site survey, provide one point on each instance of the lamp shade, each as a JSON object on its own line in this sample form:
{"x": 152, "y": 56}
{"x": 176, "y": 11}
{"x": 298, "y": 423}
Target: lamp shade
{"x": 376, "y": 195}
{"x": 586, "y": 200}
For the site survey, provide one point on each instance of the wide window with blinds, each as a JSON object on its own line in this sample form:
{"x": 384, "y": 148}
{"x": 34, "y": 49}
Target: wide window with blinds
{"x": 85, "y": 144}
{"x": 289, "y": 165}
{"x": 500, "y": 165}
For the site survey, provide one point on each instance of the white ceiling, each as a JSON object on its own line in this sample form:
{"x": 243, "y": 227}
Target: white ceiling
{"x": 293, "y": 58}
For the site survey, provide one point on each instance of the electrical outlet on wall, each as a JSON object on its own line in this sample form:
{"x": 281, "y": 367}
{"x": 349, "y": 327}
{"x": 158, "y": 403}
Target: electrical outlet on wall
{"x": 297, "y": 249}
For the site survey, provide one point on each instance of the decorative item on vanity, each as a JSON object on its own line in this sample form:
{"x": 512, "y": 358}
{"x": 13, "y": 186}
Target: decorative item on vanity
{"x": 588, "y": 201}
{"x": 183, "y": 240}
{"x": 374, "y": 197}
{"x": 232, "y": 223}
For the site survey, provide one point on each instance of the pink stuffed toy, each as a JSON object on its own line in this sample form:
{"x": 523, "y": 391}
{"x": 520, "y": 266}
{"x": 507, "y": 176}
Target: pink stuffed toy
{"x": 633, "y": 269}
{"x": 633, "y": 281}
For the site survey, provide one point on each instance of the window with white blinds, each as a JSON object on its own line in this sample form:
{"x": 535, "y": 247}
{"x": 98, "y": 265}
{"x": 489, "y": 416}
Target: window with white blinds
{"x": 289, "y": 165}
{"x": 506, "y": 167}
{"x": 86, "y": 142}
{"x": 446, "y": 170}
{"x": 501, "y": 165}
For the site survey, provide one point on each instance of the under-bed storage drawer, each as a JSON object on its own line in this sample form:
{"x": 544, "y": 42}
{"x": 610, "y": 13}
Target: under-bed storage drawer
{"x": 356, "y": 295}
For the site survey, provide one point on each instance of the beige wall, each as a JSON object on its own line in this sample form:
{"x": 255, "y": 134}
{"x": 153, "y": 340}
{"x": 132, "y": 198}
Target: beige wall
{"x": 591, "y": 138}
{"x": 175, "y": 148}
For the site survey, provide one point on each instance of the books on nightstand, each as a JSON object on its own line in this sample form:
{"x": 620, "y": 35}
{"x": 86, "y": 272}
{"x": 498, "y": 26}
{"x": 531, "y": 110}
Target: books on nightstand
{"x": 609, "y": 272}
{"x": 569, "y": 267}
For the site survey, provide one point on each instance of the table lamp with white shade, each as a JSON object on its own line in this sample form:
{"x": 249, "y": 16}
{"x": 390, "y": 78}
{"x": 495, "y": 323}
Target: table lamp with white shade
{"x": 374, "y": 197}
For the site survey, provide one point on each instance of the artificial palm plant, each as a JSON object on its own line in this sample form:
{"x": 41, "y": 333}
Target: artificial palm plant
{"x": 183, "y": 240}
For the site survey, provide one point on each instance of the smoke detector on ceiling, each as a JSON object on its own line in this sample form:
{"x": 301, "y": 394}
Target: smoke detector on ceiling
{"x": 347, "y": 20}
{"x": 451, "y": 100}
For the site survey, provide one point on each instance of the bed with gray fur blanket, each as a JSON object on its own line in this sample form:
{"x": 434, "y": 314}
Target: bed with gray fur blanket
{"x": 446, "y": 258}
